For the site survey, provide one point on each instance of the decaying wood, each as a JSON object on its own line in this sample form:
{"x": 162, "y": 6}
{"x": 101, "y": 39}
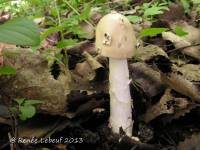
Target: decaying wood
{"x": 32, "y": 81}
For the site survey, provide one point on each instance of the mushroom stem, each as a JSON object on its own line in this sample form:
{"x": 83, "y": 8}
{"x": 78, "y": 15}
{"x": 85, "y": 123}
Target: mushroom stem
{"x": 120, "y": 98}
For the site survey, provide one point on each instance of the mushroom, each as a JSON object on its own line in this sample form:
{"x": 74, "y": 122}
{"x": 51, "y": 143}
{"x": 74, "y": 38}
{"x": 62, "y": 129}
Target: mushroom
{"x": 115, "y": 39}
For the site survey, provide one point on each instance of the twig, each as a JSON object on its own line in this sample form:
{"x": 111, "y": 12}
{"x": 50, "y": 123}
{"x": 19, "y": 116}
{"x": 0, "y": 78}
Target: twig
{"x": 180, "y": 42}
{"x": 181, "y": 48}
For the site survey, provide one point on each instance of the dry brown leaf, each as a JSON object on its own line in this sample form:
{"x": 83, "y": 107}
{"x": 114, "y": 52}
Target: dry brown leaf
{"x": 42, "y": 126}
{"x": 190, "y": 71}
{"x": 191, "y": 143}
{"x": 92, "y": 61}
{"x": 87, "y": 69}
{"x": 193, "y": 33}
{"x": 181, "y": 85}
{"x": 147, "y": 52}
{"x": 180, "y": 42}
{"x": 148, "y": 79}
{"x": 182, "y": 111}
{"x": 81, "y": 47}
{"x": 178, "y": 61}
{"x": 169, "y": 104}
{"x": 160, "y": 108}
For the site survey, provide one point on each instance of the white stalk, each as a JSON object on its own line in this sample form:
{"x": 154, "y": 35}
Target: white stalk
{"x": 120, "y": 98}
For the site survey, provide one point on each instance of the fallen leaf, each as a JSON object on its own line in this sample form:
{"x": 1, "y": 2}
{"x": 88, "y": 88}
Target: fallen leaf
{"x": 193, "y": 33}
{"x": 180, "y": 42}
{"x": 190, "y": 72}
{"x": 162, "y": 107}
{"x": 181, "y": 85}
{"x": 147, "y": 52}
{"x": 147, "y": 78}
{"x": 191, "y": 143}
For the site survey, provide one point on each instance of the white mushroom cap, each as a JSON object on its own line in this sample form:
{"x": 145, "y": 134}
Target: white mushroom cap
{"x": 115, "y": 36}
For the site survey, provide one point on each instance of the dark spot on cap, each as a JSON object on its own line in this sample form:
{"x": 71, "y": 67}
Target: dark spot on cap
{"x": 125, "y": 38}
{"x": 119, "y": 45}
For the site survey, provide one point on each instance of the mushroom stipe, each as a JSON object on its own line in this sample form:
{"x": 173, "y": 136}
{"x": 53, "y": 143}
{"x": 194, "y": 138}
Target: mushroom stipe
{"x": 115, "y": 39}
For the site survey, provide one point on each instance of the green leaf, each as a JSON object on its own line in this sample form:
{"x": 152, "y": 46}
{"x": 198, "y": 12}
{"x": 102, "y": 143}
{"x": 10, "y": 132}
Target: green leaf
{"x": 7, "y": 70}
{"x": 179, "y": 31}
{"x": 54, "y": 12}
{"x": 59, "y": 56}
{"x": 77, "y": 31}
{"x": 5, "y": 1}
{"x": 134, "y": 19}
{"x": 186, "y": 5}
{"x": 19, "y": 101}
{"x": 20, "y": 31}
{"x": 152, "y": 31}
{"x": 27, "y": 112}
{"x": 49, "y": 31}
{"x": 66, "y": 43}
{"x": 86, "y": 12}
{"x": 196, "y": 1}
{"x": 150, "y": 9}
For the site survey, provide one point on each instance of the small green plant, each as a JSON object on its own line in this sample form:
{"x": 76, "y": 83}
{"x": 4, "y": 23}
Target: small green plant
{"x": 196, "y": 5}
{"x": 134, "y": 19}
{"x": 7, "y": 70}
{"x": 26, "y": 108}
{"x": 148, "y": 11}
{"x": 189, "y": 4}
